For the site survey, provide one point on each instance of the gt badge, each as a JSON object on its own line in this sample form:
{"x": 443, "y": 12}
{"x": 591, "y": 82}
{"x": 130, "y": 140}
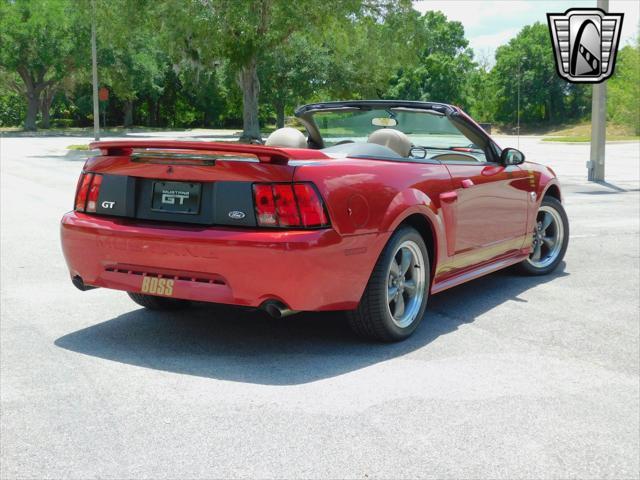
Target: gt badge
{"x": 157, "y": 286}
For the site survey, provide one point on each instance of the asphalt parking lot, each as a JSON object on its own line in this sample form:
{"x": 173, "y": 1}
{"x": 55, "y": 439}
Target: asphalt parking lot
{"x": 507, "y": 377}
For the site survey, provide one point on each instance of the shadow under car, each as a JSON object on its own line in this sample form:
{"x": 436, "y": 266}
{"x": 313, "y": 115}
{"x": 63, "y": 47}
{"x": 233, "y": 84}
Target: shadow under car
{"x": 235, "y": 344}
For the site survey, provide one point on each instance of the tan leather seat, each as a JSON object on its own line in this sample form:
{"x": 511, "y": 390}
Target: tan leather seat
{"x": 393, "y": 139}
{"x": 287, "y": 137}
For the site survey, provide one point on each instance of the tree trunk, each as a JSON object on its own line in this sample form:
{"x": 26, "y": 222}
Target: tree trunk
{"x": 128, "y": 113}
{"x": 33, "y": 89}
{"x": 45, "y": 106}
{"x": 250, "y": 85}
{"x": 33, "y": 105}
{"x": 279, "y": 108}
{"x": 156, "y": 113}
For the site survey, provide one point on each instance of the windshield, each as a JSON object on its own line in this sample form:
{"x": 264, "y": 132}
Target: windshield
{"x": 424, "y": 128}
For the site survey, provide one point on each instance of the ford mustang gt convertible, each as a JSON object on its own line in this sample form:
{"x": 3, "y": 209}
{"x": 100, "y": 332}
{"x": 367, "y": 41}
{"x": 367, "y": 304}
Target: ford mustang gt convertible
{"x": 379, "y": 205}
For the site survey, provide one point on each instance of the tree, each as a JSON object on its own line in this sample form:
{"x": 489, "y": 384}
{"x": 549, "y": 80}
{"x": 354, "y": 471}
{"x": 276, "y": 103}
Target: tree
{"x": 38, "y": 44}
{"x": 623, "y": 103}
{"x": 12, "y": 108}
{"x": 528, "y": 59}
{"x": 365, "y": 52}
{"x": 130, "y": 56}
{"x": 442, "y": 63}
{"x": 244, "y": 33}
{"x": 292, "y": 72}
{"x": 480, "y": 98}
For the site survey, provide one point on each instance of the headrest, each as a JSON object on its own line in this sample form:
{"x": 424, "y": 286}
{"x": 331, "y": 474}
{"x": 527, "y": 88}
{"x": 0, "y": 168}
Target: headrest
{"x": 393, "y": 139}
{"x": 287, "y": 137}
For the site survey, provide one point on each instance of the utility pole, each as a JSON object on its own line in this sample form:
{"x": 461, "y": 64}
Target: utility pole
{"x": 94, "y": 69}
{"x": 520, "y": 62}
{"x": 518, "y": 127}
{"x": 598, "y": 123}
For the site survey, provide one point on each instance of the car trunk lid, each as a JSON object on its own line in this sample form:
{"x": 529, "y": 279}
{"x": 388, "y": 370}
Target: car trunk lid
{"x": 206, "y": 183}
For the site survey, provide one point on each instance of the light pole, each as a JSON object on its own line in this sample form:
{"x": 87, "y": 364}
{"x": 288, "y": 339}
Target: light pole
{"x": 523, "y": 59}
{"x": 598, "y": 123}
{"x": 94, "y": 72}
{"x": 518, "y": 127}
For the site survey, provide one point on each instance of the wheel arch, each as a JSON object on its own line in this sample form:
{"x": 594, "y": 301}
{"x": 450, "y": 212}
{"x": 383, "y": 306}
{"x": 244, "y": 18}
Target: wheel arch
{"x": 415, "y": 208}
{"x": 425, "y": 228}
{"x": 552, "y": 190}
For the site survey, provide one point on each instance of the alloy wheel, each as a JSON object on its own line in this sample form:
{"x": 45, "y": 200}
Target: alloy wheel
{"x": 406, "y": 283}
{"x": 548, "y": 236}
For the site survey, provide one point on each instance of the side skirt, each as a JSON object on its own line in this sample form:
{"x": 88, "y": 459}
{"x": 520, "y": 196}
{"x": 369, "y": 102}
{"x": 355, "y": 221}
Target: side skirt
{"x": 477, "y": 272}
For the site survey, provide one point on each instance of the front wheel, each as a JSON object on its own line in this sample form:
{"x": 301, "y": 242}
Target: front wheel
{"x": 550, "y": 239}
{"x": 395, "y": 299}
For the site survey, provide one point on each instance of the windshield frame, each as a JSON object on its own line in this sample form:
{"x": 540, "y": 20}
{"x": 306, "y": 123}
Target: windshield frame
{"x": 461, "y": 121}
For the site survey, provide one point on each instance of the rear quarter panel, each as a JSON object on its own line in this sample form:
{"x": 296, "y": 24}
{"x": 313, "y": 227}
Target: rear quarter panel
{"x": 375, "y": 196}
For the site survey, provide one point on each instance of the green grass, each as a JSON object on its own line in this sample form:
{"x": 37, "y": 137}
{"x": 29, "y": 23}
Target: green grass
{"x": 78, "y": 147}
{"x": 586, "y": 138}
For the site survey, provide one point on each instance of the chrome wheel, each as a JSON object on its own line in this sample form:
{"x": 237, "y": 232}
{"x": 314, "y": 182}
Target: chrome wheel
{"x": 548, "y": 237}
{"x": 406, "y": 283}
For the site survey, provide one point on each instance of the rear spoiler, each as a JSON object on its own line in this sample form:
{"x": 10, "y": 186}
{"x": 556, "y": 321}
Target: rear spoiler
{"x": 264, "y": 154}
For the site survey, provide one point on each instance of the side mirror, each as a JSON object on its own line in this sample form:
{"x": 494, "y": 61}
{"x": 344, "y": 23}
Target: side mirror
{"x": 418, "y": 152}
{"x": 511, "y": 156}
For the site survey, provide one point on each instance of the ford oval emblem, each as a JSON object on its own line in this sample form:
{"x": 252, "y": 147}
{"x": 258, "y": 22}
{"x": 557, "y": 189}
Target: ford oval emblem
{"x": 236, "y": 215}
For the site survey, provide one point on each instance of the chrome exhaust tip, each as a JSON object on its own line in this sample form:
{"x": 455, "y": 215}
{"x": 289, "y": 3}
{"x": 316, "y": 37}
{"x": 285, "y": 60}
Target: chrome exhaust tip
{"x": 277, "y": 309}
{"x": 80, "y": 285}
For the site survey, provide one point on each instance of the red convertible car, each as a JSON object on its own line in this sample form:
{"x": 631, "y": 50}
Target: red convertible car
{"x": 381, "y": 204}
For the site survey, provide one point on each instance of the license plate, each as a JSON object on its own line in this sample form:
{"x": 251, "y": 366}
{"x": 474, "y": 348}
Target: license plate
{"x": 157, "y": 286}
{"x": 176, "y": 197}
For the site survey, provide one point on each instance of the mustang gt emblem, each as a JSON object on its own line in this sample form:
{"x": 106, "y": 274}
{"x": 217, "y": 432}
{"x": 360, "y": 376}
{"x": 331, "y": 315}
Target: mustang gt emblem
{"x": 107, "y": 204}
{"x": 170, "y": 197}
{"x": 236, "y": 215}
{"x": 585, "y": 41}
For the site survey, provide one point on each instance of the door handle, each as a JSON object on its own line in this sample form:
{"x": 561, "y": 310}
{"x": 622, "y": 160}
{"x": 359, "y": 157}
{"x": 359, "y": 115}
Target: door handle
{"x": 448, "y": 196}
{"x": 467, "y": 182}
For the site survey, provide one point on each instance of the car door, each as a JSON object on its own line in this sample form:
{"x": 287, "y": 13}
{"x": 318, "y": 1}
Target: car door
{"x": 490, "y": 208}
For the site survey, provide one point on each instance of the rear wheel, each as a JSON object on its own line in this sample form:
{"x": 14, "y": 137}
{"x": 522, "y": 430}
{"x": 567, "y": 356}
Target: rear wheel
{"x": 550, "y": 239}
{"x": 157, "y": 303}
{"x": 395, "y": 299}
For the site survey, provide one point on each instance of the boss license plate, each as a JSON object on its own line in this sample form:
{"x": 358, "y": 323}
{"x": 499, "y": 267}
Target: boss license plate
{"x": 157, "y": 286}
{"x": 176, "y": 197}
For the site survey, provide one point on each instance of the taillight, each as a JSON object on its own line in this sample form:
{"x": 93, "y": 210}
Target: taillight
{"x": 94, "y": 191}
{"x": 288, "y": 205}
{"x": 311, "y": 207}
{"x": 265, "y": 205}
{"x": 83, "y": 191}
{"x": 88, "y": 192}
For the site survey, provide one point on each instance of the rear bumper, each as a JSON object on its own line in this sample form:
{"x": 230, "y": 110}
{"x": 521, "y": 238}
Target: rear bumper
{"x": 306, "y": 270}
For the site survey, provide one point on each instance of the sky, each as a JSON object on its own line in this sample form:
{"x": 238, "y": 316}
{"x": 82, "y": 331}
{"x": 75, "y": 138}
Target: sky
{"x": 491, "y": 23}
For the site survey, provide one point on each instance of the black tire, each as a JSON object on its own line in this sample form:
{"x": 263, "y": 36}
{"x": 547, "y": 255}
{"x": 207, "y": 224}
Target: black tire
{"x": 157, "y": 303}
{"x": 373, "y": 319}
{"x": 526, "y": 267}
